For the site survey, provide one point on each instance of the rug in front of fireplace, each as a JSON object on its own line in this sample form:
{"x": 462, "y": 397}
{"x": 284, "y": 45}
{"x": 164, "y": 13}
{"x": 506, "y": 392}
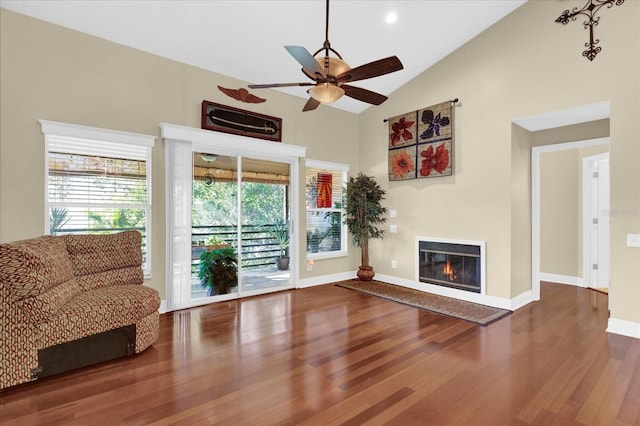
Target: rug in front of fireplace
{"x": 468, "y": 311}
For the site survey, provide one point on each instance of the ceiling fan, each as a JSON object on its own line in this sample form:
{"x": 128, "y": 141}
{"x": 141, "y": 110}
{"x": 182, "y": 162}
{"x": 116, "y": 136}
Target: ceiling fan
{"x": 331, "y": 74}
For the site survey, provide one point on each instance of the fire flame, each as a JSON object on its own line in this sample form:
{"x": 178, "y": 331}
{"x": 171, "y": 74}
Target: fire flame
{"x": 449, "y": 271}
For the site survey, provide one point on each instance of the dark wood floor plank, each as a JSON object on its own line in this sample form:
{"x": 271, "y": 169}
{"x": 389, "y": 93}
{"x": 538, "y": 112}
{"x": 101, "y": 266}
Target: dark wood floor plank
{"x": 328, "y": 355}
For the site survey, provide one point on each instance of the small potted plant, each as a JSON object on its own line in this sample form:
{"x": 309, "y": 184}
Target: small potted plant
{"x": 363, "y": 213}
{"x": 218, "y": 270}
{"x": 280, "y": 232}
{"x": 213, "y": 242}
{"x": 313, "y": 241}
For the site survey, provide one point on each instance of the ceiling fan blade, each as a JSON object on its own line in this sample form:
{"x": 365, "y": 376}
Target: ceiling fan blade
{"x": 363, "y": 95}
{"x": 311, "y": 105}
{"x": 268, "y": 86}
{"x": 372, "y": 69}
{"x": 307, "y": 60}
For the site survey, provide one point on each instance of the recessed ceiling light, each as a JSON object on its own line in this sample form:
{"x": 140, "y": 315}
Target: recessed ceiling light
{"x": 391, "y": 18}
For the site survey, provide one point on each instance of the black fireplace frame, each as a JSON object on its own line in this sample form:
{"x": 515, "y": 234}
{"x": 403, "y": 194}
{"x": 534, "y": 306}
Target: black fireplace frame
{"x": 473, "y": 253}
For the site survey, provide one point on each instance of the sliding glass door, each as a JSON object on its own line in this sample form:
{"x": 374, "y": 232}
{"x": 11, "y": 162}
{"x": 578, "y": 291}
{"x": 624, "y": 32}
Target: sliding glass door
{"x": 207, "y": 177}
{"x": 265, "y": 226}
{"x": 245, "y": 218}
{"x": 214, "y": 223}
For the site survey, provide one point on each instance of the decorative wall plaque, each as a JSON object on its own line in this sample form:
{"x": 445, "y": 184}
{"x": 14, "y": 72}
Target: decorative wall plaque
{"x": 226, "y": 119}
{"x": 242, "y": 95}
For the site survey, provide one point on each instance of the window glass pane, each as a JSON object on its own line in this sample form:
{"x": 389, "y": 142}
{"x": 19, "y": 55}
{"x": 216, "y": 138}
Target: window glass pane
{"x": 78, "y": 220}
{"x": 91, "y": 180}
{"x": 96, "y": 194}
{"x": 321, "y": 182}
{"x": 81, "y": 220}
{"x": 324, "y": 231}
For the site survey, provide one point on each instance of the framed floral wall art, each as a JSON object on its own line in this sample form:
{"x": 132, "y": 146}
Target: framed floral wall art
{"x": 421, "y": 143}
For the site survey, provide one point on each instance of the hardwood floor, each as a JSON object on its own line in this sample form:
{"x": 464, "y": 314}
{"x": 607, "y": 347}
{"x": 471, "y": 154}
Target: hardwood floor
{"x": 328, "y": 355}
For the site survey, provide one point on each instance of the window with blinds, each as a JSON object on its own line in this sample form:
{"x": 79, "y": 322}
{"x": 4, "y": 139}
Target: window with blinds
{"x": 99, "y": 186}
{"x": 325, "y": 231}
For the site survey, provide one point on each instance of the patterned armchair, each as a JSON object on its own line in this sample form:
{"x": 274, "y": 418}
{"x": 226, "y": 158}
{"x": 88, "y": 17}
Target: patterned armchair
{"x": 71, "y": 301}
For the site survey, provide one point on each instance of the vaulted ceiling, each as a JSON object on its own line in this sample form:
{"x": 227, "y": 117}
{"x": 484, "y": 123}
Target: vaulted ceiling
{"x": 244, "y": 39}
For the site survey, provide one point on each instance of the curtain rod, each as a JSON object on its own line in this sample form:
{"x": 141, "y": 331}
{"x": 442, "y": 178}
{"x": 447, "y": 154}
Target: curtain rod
{"x": 453, "y": 102}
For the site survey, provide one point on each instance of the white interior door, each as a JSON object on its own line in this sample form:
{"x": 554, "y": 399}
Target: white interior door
{"x": 596, "y": 244}
{"x": 602, "y": 231}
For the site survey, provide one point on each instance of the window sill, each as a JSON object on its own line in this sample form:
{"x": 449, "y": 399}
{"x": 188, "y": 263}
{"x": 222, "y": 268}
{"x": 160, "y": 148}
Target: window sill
{"x": 327, "y": 255}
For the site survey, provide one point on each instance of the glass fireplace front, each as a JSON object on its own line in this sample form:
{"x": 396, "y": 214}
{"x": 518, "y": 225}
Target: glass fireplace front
{"x": 451, "y": 265}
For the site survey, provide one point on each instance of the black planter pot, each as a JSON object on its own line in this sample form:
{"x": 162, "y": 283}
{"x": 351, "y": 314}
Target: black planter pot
{"x": 283, "y": 263}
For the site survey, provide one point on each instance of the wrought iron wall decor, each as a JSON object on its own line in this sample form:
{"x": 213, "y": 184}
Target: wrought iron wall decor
{"x": 222, "y": 118}
{"x": 589, "y": 10}
{"x": 421, "y": 143}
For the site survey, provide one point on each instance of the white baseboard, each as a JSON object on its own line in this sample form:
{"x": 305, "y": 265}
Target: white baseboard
{"x": 325, "y": 279}
{"x": 522, "y": 300}
{"x": 307, "y": 282}
{"x": 483, "y": 299}
{"x": 562, "y": 279}
{"x": 624, "y": 328}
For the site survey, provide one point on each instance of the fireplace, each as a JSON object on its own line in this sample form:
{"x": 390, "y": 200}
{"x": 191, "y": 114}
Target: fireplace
{"x": 454, "y": 264}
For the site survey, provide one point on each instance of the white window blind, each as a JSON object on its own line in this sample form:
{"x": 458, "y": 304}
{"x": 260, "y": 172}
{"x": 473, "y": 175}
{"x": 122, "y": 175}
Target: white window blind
{"x": 100, "y": 184}
{"x": 326, "y": 234}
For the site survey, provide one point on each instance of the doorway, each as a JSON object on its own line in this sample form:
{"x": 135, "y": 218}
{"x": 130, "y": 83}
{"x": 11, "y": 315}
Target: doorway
{"x": 241, "y": 204}
{"x": 536, "y": 153}
{"x": 240, "y": 161}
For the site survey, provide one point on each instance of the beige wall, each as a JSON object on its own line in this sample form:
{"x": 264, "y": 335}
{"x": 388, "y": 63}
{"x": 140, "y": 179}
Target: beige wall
{"x": 561, "y": 222}
{"x": 524, "y": 65}
{"x": 520, "y": 250}
{"x": 52, "y": 73}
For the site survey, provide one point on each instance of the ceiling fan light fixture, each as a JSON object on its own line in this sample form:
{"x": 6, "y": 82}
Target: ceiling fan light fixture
{"x": 336, "y": 65}
{"x": 326, "y": 92}
{"x": 209, "y": 158}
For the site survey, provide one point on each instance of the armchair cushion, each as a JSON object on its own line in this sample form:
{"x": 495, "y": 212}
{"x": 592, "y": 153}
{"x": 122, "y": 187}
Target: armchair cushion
{"x": 106, "y": 260}
{"x": 42, "y": 307}
{"x": 31, "y": 267}
{"x": 96, "y": 311}
{"x": 91, "y": 254}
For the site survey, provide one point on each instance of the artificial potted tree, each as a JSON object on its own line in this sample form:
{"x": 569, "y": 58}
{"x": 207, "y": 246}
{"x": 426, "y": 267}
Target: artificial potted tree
{"x": 280, "y": 232}
{"x": 218, "y": 270}
{"x": 363, "y": 214}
